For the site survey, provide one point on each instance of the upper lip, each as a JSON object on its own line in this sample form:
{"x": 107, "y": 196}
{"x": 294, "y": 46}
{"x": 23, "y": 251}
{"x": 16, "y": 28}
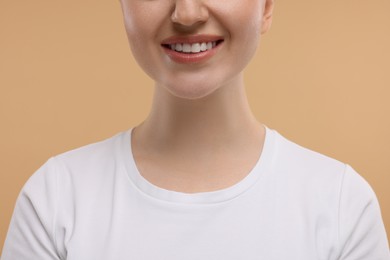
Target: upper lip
{"x": 199, "y": 38}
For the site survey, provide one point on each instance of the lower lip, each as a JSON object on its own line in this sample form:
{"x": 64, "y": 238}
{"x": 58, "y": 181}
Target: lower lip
{"x": 188, "y": 58}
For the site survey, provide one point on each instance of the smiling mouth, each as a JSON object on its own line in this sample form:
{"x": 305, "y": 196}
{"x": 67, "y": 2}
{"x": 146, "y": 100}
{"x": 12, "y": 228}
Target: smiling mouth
{"x": 190, "y": 48}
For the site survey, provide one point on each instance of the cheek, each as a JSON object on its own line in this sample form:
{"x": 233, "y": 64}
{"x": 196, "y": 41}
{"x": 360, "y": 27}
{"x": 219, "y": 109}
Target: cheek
{"x": 245, "y": 30}
{"x": 242, "y": 19}
{"x": 135, "y": 28}
{"x": 250, "y": 19}
{"x": 142, "y": 20}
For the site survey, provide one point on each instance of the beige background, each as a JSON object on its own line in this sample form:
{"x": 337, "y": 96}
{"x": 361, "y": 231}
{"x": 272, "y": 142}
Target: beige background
{"x": 67, "y": 78}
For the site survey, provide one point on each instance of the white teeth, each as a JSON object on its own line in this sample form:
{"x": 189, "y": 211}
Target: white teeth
{"x": 203, "y": 46}
{"x": 186, "y": 47}
{"x": 195, "y": 48}
{"x": 178, "y": 47}
{"x": 192, "y": 48}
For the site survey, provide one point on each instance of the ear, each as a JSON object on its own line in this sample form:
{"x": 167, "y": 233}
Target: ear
{"x": 267, "y": 16}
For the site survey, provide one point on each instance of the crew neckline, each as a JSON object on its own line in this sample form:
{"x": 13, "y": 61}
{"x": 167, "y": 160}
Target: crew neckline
{"x": 260, "y": 168}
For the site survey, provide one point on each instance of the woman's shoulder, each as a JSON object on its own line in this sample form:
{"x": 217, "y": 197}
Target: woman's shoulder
{"x": 89, "y": 162}
{"x": 98, "y": 150}
{"x": 309, "y": 169}
{"x": 294, "y": 156}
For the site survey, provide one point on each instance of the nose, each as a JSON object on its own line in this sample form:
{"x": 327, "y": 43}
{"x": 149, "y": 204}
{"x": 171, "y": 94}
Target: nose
{"x": 189, "y": 12}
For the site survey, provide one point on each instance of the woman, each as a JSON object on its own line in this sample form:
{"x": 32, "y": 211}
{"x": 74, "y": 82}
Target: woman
{"x": 200, "y": 178}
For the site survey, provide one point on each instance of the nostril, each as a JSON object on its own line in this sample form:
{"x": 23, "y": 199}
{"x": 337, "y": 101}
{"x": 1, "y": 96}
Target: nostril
{"x": 189, "y": 13}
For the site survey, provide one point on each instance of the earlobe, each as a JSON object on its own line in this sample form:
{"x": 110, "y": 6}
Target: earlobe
{"x": 267, "y": 16}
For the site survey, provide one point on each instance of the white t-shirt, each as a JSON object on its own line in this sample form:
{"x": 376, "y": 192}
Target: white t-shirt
{"x": 92, "y": 203}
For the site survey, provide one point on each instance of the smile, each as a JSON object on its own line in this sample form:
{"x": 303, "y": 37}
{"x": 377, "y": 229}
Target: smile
{"x": 192, "y": 48}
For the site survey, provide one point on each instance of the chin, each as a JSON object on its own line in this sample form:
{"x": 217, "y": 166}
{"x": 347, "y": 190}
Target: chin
{"x": 191, "y": 92}
{"x": 193, "y": 86}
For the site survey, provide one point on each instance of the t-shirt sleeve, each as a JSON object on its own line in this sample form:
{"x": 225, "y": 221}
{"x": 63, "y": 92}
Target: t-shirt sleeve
{"x": 362, "y": 234}
{"x": 31, "y": 230}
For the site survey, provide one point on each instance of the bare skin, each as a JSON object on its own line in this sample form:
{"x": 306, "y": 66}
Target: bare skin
{"x": 200, "y": 145}
{"x": 200, "y": 134}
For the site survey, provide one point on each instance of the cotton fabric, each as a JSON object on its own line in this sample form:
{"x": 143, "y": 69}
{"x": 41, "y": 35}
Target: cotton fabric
{"x": 92, "y": 203}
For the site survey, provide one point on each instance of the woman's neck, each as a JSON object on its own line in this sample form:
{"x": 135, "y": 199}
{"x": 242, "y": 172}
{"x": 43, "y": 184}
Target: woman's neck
{"x": 220, "y": 119}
